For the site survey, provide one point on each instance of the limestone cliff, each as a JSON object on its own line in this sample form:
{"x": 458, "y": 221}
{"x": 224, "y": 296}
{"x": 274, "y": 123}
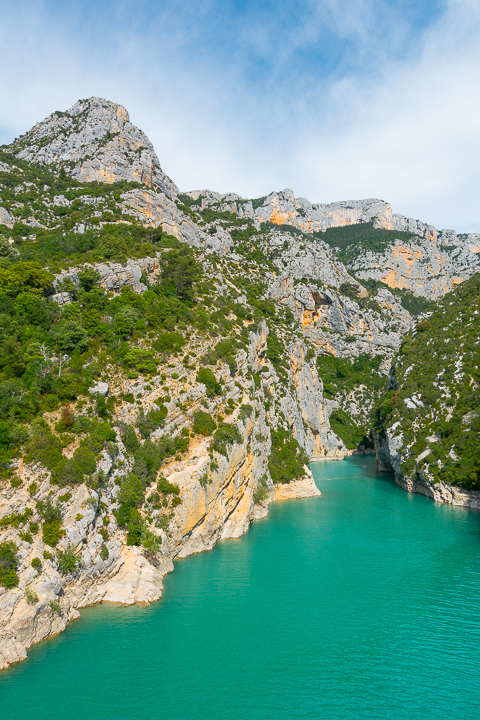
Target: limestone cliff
{"x": 95, "y": 140}
{"x": 160, "y": 351}
{"x": 218, "y": 494}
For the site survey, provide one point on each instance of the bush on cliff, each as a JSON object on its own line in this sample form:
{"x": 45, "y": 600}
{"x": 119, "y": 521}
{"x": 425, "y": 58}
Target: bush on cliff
{"x": 207, "y": 377}
{"x": 224, "y": 436}
{"x": 203, "y": 423}
{"x": 179, "y": 272}
{"x": 68, "y": 562}
{"x": 287, "y": 458}
{"x": 150, "y": 422}
{"x": 51, "y": 515}
{"x": 8, "y": 565}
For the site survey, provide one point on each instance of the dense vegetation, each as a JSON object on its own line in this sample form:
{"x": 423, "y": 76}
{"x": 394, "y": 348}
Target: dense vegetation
{"x": 351, "y": 241}
{"x": 50, "y": 355}
{"x": 287, "y": 458}
{"x": 436, "y": 400}
{"x": 344, "y": 374}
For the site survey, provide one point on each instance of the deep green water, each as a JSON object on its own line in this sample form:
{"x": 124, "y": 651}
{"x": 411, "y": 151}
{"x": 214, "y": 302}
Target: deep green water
{"x": 361, "y": 604}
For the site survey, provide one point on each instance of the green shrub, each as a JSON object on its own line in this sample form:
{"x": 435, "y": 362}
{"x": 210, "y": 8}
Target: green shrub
{"x": 16, "y": 519}
{"x": 287, "y": 459}
{"x": 8, "y": 565}
{"x": 260, "y": 493}
{"x": 423, "y": 326}
{"x": 55, "y": 606}
{"x": 31, "y": 597}
{"x": 43, "y": 446}
{"x": 68, "y": 562}
{"x": 52, "y": 531}
{"x": 104, "y": 553}
{"x": 245, "y": 412}
{"x": 140, "y": 360}
{"x": 154, "y": 419}
{"x": 131, "y": 491}
{"x": 179, "y": 272}
{"x": 88, "y": 278}
{"x": 149, "y": 540}
{"x": 124, "y": 323}
{"x": 84, "y": 460}
{"x": 207, "y": 377}
{"x": 225, "y": 350}
{"x": 275, "y": 350}
{"x": 167, "y": 488}
{"x": 203, "y": 423}
{"x": 36, "y": 563}
{"x": 70, "y": 336}
{"x": 168, "y": 342}
{"x": 224, "y": 436}
{"x": 130, "y": 439}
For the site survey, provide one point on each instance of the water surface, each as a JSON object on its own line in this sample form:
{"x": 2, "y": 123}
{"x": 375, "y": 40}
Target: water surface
{"x": 360, "y": 604}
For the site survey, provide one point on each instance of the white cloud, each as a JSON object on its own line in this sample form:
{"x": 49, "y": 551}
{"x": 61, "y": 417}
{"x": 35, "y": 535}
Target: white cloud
{"x": 401, "y": 124}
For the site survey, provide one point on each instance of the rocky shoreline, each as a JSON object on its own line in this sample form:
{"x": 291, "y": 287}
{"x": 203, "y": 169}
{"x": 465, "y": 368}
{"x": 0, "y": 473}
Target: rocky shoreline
{"x": 130, "y": 577}
{"x": 388, "y": 460}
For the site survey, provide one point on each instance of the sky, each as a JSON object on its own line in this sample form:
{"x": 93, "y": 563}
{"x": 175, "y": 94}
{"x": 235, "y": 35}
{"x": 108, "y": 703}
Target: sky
{"x": 334, "y": 99}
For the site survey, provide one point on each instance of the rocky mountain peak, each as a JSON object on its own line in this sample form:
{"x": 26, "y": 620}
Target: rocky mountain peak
{"x": 95, "y": 140}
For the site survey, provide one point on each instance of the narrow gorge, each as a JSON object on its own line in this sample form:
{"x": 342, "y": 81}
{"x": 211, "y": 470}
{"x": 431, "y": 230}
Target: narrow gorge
{"x": 171, "y": 361}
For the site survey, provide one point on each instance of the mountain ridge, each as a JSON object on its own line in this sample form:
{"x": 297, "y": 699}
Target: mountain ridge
{"x": 169, "y": 362}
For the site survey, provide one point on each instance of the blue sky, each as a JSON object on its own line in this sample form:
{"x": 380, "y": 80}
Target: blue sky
{"x": 336, "y": 99}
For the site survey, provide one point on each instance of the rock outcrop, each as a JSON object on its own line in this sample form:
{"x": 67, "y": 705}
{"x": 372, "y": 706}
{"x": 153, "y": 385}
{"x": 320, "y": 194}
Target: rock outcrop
{"x": 428, "y": 265}
{"x": 95, "y": 140}
{"x": 389, "y": 459}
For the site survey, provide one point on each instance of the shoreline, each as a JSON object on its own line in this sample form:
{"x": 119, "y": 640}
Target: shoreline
{"x": 134, "y": 581}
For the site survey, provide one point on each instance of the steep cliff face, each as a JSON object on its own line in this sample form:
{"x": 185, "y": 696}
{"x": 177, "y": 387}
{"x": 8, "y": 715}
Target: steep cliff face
{"x": 218, "y": 501}
{"x": 220, "y": 490}
{"x": 430, "y": 264}
{"x": 338, "y": 324}
{"x": 283, "y": 208}
{"x": 428, "y": 427}
{"x": 429, "y": 267}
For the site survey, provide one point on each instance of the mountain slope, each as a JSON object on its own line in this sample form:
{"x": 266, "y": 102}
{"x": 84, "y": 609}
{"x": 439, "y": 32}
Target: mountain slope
{"x": 428, "y": 427}
{"x": 170, "y": 362}
{"x": 94, "y": 140}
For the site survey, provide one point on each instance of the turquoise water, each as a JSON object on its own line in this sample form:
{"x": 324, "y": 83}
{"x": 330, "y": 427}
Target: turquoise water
{"x": 363, "y": 603}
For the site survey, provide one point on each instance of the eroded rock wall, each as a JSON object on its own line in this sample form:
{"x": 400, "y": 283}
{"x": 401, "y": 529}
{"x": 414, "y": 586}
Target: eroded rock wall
{"x": 388, "y": 454}
{"x": 218, "y": 501}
